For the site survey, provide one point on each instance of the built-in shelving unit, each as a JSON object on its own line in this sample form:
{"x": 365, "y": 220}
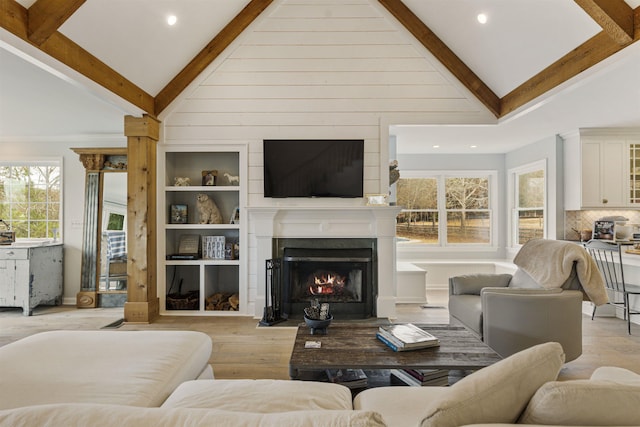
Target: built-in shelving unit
{"x": 212, "y": 282}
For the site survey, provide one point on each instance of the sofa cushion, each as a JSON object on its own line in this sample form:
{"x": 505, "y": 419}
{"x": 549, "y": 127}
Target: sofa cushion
{"x": 399, "y": 406}
{"x": 610, "y": 397}
{"x": 498, "y": 393}
{"x": 137, "y": 368}
{"x": 262, "y": 396}
{"x": 522, "y": 280}
{"x": 96, "y": 415}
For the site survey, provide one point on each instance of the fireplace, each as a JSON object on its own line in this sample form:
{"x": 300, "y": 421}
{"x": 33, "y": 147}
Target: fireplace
{"x": 341, "y": 272}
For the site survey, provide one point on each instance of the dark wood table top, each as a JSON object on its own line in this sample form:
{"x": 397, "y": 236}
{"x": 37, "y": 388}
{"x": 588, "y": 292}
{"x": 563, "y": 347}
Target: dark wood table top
{"x": 354, "y": 346}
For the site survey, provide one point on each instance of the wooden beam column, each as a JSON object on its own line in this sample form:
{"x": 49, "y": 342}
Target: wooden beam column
{"x": 142, "y": 134}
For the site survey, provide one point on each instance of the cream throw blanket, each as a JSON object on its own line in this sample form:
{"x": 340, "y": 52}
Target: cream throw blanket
{"x": 549, "y": 262}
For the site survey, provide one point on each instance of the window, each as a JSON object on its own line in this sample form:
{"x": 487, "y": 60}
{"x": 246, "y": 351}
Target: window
{"x": 529, "y": 203}
{"x": 31, "y": 197}
{"x": 445, "y": 209}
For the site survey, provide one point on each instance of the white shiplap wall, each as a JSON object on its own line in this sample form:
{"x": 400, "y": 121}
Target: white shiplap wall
{"x": 318, "y": 69}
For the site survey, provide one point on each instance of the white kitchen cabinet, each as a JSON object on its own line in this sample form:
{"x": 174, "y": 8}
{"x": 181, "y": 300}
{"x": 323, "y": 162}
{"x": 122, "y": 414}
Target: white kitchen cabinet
{"x": 606, "y": 172}
{"x": 30, "y": 276}
{"x": 604, "y": 168}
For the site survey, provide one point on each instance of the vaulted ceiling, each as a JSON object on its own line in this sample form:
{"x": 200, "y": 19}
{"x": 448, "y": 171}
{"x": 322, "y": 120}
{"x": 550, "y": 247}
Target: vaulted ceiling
{"x": 120, "y": 56}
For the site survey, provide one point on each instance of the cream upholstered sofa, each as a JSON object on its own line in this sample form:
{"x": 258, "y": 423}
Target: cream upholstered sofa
{"x": 540, "y": 302}
{"x": 151, "y": 378}
{"x": 518, "y": 389}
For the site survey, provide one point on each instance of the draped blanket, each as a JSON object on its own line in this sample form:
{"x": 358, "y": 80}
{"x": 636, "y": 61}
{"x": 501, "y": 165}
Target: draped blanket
{"x": 116, "y": 244}
{"x": 550, "y": 262}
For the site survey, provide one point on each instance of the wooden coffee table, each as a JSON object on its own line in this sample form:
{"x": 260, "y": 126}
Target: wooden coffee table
{"x": 354, "y": 346}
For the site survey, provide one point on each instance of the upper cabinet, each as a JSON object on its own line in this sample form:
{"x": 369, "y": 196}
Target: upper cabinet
{"x": 602, "y": 169}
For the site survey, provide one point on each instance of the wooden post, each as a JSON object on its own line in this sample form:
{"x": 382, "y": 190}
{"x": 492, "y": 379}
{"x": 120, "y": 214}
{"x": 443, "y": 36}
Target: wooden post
{"x": 142, "y": 134}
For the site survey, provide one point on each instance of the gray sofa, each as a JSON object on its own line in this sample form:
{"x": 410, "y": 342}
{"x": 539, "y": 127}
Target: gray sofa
{"x": 511, "y": 313}
{"x": 540, "y": 302}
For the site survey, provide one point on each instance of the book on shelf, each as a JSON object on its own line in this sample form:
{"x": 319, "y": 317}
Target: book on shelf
{"x": 406, "y": 336}
{"x": 407, "y": 376}
{"x": 352, "y": 378}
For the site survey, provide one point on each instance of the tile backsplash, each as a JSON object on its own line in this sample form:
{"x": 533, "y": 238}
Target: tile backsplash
{"x": 583, "y": 220}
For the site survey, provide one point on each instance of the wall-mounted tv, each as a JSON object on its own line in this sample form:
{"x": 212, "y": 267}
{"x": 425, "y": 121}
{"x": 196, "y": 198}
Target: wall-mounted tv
{"x": 313, "y": 167}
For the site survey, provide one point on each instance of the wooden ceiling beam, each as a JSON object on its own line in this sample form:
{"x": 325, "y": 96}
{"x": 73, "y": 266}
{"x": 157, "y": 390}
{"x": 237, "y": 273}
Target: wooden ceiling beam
{"x": 46, "y": 16}
{"x": 14, "y": 18}
{"x": 594, "y": 50}
{"x": 443, "y": 54}
{"x": 614, "y": 16}
{"x": 210, "y": 52}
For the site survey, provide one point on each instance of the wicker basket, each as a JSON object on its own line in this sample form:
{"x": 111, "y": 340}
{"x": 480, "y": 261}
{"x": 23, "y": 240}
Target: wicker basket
{"x": 188, "y": 301}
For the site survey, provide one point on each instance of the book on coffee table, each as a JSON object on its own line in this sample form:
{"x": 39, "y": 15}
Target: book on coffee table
{"x": 352, "y": 378}
{"x": 436, "y": 377}
{"x": 406, "y": 336}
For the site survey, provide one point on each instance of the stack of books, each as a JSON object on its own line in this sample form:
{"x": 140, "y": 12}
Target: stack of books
{"x": 420, "y": 378}
{"x": 352, "y": 378}
{"x": 406, "y": 336}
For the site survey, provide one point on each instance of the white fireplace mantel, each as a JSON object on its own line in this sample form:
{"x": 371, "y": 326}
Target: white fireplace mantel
{"x": 379, "y": 222}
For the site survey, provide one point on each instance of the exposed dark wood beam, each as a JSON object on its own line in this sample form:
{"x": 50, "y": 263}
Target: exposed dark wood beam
{"x": 445, "y": 55}
{"x": 614, "y": 16}
{"x": 594, "y": 50}
{"x": 210, "y": 52}
{"x": 46, "y": 16}
{"x": 14, "y": 18}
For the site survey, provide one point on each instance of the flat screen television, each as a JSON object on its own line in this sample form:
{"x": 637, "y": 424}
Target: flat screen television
{"x": 313, "y": 167}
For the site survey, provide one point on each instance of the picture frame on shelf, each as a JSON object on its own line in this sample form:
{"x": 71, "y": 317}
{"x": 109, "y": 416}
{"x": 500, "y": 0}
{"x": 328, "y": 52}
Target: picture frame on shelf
{"x": 377, "y": 199}
{"x": 209, "y": 178}
{"x": 189, "y": 244}
{"x": 213, "y": 247}
{"x": 229, "y": 252}
{"x": 235, "y": 216}
{"x": 179, "y": 214}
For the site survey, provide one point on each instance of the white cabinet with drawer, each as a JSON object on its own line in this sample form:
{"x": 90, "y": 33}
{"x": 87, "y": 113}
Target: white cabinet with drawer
{"x": 30, "y": 276}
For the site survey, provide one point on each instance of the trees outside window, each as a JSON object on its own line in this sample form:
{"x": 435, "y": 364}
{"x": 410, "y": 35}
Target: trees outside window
{"x": 445, "y": 209}
{"x": 528, "y": 219}
{"x": 31, "y": 198}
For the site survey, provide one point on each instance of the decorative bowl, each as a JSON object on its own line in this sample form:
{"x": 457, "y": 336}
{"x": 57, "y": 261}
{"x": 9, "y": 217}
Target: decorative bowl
{"x": 318, "y": 327}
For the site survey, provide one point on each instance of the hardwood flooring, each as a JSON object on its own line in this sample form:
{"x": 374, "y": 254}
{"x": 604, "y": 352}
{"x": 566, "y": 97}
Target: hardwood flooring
{"x": 242, "y": 349}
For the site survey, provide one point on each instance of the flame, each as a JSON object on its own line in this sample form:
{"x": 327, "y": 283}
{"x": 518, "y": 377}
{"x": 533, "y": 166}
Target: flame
{"x": 327, "y": 284}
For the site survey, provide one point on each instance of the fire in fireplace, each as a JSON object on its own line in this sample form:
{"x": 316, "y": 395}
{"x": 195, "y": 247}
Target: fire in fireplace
{"x": 341, "y": 277}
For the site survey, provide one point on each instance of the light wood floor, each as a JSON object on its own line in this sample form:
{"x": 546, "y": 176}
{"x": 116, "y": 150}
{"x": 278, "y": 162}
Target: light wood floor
{"x": 242, "y": 349}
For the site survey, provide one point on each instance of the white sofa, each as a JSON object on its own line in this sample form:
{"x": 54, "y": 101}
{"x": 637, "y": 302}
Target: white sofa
{"x": 518, "y": 389}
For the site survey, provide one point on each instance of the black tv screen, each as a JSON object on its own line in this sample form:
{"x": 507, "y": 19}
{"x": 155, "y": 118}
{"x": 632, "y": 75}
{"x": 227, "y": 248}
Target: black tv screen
{"x": 313, "y": 167}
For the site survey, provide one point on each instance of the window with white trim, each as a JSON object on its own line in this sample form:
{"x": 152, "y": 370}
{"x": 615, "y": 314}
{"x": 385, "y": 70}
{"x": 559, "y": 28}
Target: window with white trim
{"x": 452, "y": 208}
{"x": 31, "y": 197}
{"x": 528, "y": 203}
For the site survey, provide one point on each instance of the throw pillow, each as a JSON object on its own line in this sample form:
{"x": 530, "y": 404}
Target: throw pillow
{"x": 610, "y": 397}
{"x": 498, "y": 393}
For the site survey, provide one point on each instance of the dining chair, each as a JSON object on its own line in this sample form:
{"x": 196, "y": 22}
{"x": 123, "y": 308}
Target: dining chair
{"x": 608, "y": 257}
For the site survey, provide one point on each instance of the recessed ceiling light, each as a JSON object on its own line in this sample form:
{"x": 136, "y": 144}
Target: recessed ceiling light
{"x": 473, "y": 146}
{"x": 172, "y": 19}
{"x": 482, "y": 18}
{"x": 436, "y": 146}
